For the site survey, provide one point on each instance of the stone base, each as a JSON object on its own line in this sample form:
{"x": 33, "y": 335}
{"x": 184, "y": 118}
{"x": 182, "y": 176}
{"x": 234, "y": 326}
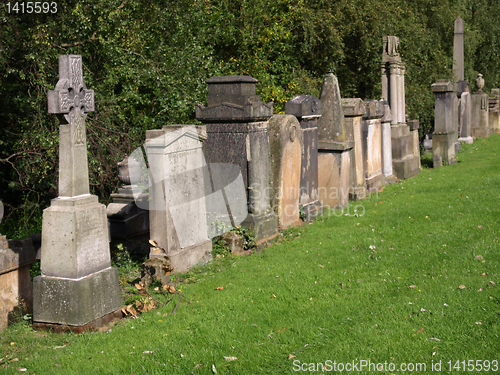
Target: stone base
{"x": 480, "y": 132}
{"x": 390, "y": 179}
{"x": 128, "y": 226}
{"x": 183, "y": 259}
{"x": 358, "y": 193}
{"x": 311, "y": 210}
{"x": 406, "y": 168}
{"x": 468, "y": 140}
{"x": 75, "y": 302}
{"x": 375, "y": 183}
{"x": 262, "y": 226}
{"x": 91, "y": 326}
{"x": 443, "y": 149}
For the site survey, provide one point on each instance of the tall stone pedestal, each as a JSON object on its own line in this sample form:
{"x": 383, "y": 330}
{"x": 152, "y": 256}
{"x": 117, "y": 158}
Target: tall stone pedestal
{"x": 445, "y": 123}
{"x": 387, "y": 145}
{"x": 494, "y": 114}
{"x": 404, "y": 162}
{"x": 480, "y": 111}
{"x": 464, "y": 112}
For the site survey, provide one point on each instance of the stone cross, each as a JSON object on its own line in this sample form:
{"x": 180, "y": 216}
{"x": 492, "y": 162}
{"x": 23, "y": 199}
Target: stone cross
{"x": 71, "y": 100}
{"x": 458, "y": 50}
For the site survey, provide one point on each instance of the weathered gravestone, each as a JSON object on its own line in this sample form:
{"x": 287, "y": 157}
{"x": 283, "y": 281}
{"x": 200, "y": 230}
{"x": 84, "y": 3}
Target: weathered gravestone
{"x": 16, "y": 291}
{"x": 335, "y": 145}
{"x": 372, "y": 144}
{"x": 387, "y": 144}
{"x": 237, "y": 132}
{"x": 464, "y": 112}
{"x": 77, "y": 287}
{"x": 494, "y": 114}
{"x": 178, "y": 207}
{"x": 286, "y": 141}
{"x": 445, "y": 123}
{"x": 307, "y": 109}
{"x": 405, "y": 164}
{"x": 354, "y": 109}
{"x": 480, "y": 111}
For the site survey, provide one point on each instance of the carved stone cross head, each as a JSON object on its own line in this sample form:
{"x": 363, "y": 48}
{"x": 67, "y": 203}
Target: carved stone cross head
{"x": 70, "y": 94}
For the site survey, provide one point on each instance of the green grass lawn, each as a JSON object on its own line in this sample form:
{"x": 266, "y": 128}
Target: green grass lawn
{"x": 407, "y": 279}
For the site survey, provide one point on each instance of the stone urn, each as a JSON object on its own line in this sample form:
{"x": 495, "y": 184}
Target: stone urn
{"x": 129, "y": 169}
{"x": 480, "y": 82}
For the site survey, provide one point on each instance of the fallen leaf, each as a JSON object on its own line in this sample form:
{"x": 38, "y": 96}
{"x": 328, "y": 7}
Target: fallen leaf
{"x": 420, "y": 330}
{"x": 59, "y": 347}
{"x": 493, "y": 283}
{"x": 423, "y": 310}
{"x": 290, "y": 356}
{"x": 433, "y": 338}
{"x": 480, "y": 226}
{"x": 322, "y": 266}
{"x": 220, "y": 288}
{"x": 230, "y": 358}
{"x": 479, "y": 257}
{"x": 479, "y": 323}
{"x": 446, "y": 305}
{"x": 214, "y": 370}
{"x": 462, "y": 286}
{"x": 153, "y": 243}
{"x": 413, "y": 286}
{"x": 139, "y": 286}
{"x": 22, "y": 369}
{"x": 147, "y": 352}
{"x": 14, "y": 360}
{"x": 483, "y": 274}
{"x": 274, "y": 295}
{"x": 480, "y": 289}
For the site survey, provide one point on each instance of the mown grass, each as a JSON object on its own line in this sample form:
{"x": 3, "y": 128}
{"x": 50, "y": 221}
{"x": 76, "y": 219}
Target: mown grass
{"x": 381, "y": 285}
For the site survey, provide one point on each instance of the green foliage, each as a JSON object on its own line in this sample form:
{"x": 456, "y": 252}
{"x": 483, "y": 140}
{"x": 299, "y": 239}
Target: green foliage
{"x": 148, "y": 61}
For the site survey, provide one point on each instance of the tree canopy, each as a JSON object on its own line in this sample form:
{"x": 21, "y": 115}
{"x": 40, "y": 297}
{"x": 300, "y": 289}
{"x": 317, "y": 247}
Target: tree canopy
{"x": 147, "y": 61}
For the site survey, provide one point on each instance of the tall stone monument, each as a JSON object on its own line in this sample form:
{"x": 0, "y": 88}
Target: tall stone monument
{"x": 445, "y": 122}
{"x": 335, "y": 144}
{"x": 480, "y": 111}
{"x": 77, "y": 287}
{"x": 404, "y": 162}
{"x": 458, "y": 50}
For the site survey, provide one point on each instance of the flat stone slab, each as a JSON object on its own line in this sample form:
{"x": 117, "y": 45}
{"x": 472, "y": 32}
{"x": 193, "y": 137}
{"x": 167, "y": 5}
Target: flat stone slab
{"x": 91, "y": 326}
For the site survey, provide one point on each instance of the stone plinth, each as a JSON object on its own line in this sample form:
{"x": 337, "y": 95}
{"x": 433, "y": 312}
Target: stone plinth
{"x": 16, "y": 290}
{"x": 77, "y": 285}
{"x": 372, "y": 144}
{"x": 353, "y": 110}
{"x": 307, "y": 109}
{"x": 444, "y": 137}
{"x": 178, "y": 203}
{"x": 286, "y": 141}
{"x": 237, "y": 133}
{"x": 335, "y": 144}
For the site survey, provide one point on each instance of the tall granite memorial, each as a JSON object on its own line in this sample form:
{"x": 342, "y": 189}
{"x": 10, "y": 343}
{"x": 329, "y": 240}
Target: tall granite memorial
{"x": 77, "y": 287}
{"x": 237, "y": 132}
{"x": 404, "y": 162}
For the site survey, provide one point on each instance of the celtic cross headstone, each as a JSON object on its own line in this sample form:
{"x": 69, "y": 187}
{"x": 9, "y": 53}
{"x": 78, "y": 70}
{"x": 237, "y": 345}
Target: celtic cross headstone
{"x": 71, "y": 101}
